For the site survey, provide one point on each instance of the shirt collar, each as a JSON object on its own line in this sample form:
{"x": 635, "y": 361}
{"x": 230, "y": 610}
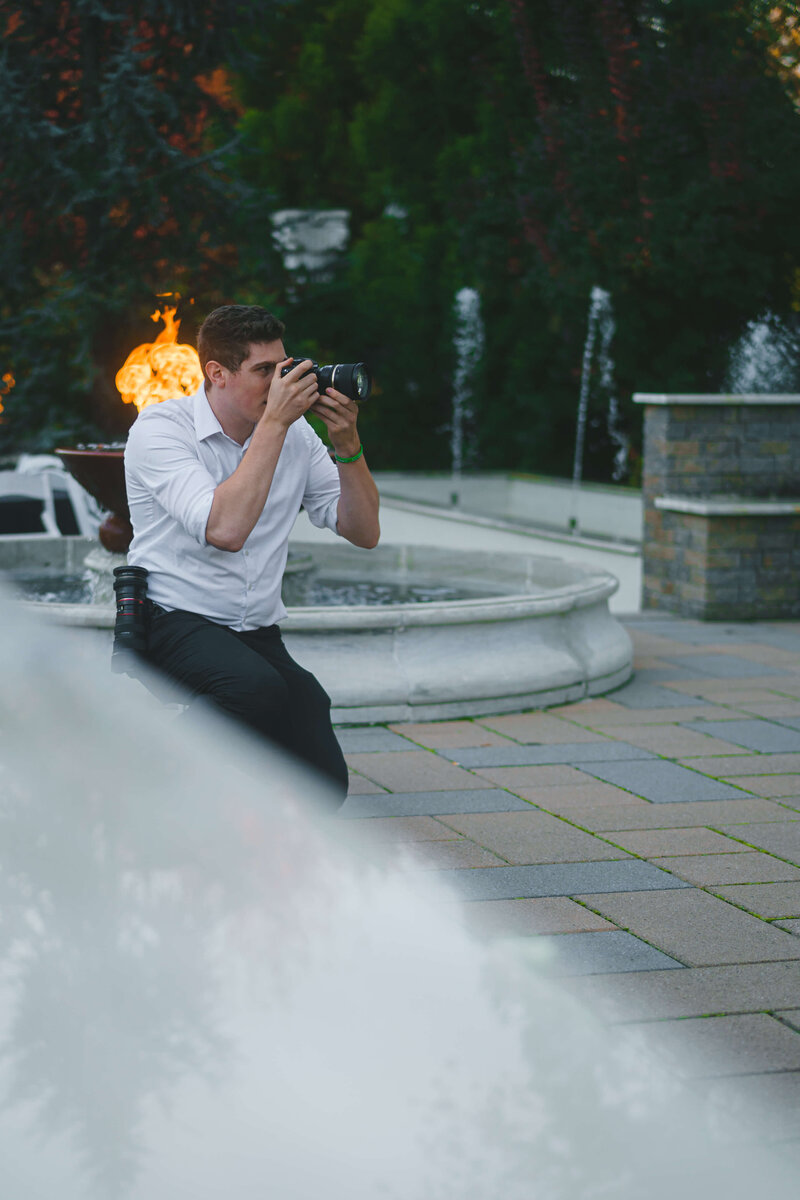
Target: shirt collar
{"x": 205, "y": 422}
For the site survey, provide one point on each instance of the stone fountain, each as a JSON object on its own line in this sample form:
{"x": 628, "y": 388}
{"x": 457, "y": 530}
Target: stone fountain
{"x": 525, "y": 631}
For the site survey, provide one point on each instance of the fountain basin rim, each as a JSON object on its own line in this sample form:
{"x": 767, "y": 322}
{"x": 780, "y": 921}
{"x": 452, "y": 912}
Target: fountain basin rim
{"x": 516, "y": 606}
{"x": 372, "y": 616}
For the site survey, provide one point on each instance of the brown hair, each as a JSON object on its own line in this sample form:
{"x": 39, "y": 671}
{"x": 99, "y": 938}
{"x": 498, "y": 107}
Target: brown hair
{"x": 228, "y": 332}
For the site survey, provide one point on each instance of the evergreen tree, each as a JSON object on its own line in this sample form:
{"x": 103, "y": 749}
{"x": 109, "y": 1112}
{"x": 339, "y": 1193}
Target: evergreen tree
{"x": 536, "y": 150}
{"x": 117, "y": 120}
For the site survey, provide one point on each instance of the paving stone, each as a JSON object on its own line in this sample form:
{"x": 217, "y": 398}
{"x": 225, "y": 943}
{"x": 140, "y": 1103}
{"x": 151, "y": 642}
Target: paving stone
{"x": 531, "y": 837}
{"x": 776, "y": 710}
{"x": 790, "y": 926}
{"x": 533, "y": 777}
{"x": 737, "y": 1045}
{"x": 697, "y": 992}
{"x": 666, "y": 670}
{"x": 672, "y": 741}
{"x": 402, "y": 829}
{"x": 746, "y": 699}
{"x": 526, "y": 918}
{"x": 729, "y": 666}
{"x": 564, "y": 800}
{"x": 689, "y": 633}
{"x": 580, "y": 710}
{"x": 354, "y": 741}
{"x": 791, "y": 1016}
{"x": 751, "y": 866}
{"x": 566, "y": 879}
{"x": 649, "y": 695}
{"x": 413, "y": 771}
{"x": 660, "y": 843}
{"x": 662, "y": 782}
{"x": 772, "y": 786}
{"x": 766, "y": 737}
{"x": 539, "y": 727}
{"x": 607, "y": 722}
{"x": 788, "y": 687}
{"x": 730, "y": 691}
{"x": 413, "y": 804}
{"x": 694, "y": 927}
{"x": 602, "y": 953}
{"x": 789, "y": 722}
{"x": 359, "y": 786}
{"x": 512, "y": 755}
{"x": 437, "y": 856}
{"x": 727, "y": 765}
{"x": 768, "y": 900}
{"x": 771, "y": 655}
{"x": 438, "y": 734}
{"x": 644, "y": 815}
{"x": 781, "y": 837}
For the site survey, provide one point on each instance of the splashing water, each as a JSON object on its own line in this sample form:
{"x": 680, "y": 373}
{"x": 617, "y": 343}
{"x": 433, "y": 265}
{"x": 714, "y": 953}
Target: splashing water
{"x": 205, "y": 990}
{"x": 601, "y": 319}
{"x": 766, "y": 359}
{"x": 468, "y": 342}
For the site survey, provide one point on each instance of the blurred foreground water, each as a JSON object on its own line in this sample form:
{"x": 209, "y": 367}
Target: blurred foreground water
{"x": 205, "y": 992}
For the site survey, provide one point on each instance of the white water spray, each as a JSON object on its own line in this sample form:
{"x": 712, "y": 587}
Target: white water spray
{"x": 468, "y": 342}
{"x": 602, "y": 322}
{"x": 765, "y": 359}
{"x": 205, "y": 992}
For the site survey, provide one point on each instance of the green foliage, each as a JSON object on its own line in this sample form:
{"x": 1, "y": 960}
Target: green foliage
{"x": 527, "y": 148}
{"x": 114, "y": 189}
{"x": 533, "y": 150}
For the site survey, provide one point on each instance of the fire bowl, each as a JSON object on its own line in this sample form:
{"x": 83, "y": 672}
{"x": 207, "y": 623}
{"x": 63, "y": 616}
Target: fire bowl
{"x": 100, "y": 470}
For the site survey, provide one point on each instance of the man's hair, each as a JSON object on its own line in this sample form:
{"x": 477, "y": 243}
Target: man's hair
{"x": 228, "y": 332}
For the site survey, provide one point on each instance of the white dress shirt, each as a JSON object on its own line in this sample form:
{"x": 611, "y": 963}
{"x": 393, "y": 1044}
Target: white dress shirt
{"x": 176, "y": 456}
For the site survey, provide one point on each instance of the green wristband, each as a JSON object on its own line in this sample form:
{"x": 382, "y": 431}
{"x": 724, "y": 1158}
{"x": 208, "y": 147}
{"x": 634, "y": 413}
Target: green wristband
{"x": 354, "y": 457}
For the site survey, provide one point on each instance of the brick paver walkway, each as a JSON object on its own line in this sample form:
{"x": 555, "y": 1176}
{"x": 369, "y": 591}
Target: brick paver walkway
{"x": 652, "y": 837}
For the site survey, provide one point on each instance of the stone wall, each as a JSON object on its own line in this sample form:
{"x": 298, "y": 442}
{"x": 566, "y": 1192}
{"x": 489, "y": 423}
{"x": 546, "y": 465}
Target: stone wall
{"x": 721, "y": 490}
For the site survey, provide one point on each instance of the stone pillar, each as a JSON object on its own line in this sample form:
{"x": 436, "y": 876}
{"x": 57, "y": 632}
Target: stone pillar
{"x": 721, "y": 490}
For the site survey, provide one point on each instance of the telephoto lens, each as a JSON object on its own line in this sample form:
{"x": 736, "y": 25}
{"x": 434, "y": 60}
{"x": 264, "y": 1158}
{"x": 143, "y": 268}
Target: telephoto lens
{"x": 130, "y": 626}
{"x": 352, "y": 379}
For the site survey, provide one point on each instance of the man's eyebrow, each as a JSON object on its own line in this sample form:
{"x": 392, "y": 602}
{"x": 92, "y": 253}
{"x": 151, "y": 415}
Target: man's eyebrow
{"x": 267, "y": 362}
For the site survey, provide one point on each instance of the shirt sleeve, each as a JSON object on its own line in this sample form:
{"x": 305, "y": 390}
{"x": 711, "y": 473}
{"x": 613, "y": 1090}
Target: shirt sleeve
{"x": 161, "y": 462}
{"x": 321, "y": 495}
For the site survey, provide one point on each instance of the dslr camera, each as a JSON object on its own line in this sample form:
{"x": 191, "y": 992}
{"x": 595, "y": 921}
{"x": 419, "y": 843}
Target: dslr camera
{"x": 352, "y": 379}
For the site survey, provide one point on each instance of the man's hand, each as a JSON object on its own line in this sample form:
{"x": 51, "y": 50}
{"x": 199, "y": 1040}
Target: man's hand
{"x": 292, "y": 395}
{"x": 357, "y": 511}
{"x": 340, "y": 415}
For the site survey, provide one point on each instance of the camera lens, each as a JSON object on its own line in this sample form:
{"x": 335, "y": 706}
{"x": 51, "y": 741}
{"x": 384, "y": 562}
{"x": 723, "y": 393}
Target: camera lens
{"x": 351, "y": 378}
{"x": 130, "y": 626}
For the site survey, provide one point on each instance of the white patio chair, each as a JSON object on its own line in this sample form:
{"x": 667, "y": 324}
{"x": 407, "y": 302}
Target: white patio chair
{"x": 32, "y": 487}
{"x": 88, "y": 513}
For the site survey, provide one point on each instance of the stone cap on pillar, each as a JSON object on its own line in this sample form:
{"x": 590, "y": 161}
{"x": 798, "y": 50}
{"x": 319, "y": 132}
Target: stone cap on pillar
{"x": 728, "y": 506}
{"x": 694, "y": 398}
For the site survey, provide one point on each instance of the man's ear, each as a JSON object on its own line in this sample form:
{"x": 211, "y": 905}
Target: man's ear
{"x": 216, "y": 372}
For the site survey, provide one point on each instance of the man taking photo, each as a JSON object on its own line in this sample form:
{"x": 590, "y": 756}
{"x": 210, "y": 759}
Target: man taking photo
{"x": 215, "y": 482}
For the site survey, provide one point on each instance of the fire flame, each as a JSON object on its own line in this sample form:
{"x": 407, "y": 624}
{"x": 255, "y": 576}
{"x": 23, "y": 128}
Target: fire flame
{"x": 6, "y": 385}
{"x": 159, "y": 370}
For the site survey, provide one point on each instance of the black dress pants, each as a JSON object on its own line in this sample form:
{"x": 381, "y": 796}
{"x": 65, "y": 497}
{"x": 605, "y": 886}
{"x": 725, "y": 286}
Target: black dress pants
{"x": 251, "y": 676}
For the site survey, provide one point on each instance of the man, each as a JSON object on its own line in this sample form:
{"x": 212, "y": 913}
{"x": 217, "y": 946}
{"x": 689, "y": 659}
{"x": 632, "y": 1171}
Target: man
{"x": 215, "y": 482}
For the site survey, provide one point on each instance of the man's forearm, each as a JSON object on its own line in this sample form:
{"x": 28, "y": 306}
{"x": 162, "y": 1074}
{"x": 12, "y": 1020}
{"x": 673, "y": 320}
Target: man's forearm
{"x": 239, "y": 500}
{"x": 357, "y": 511}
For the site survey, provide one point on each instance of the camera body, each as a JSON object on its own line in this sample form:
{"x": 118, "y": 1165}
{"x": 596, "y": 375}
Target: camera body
{"x": 352, "y": 379}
